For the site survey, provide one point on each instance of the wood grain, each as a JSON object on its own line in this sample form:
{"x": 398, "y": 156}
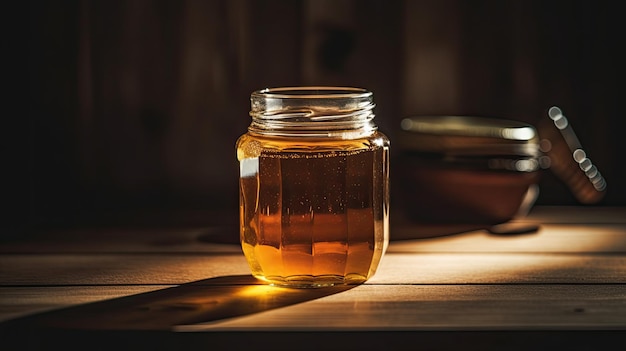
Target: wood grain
{"x": 562, "y": 286}
{"x": 425, "y": 268}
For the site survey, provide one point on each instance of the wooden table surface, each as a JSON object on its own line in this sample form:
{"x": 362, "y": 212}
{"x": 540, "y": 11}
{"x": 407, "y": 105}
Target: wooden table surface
{"x": 561, "y": 287}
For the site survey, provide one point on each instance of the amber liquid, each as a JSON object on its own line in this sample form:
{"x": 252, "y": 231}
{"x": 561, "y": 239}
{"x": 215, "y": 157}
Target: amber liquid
{"x": 314, "y": 215}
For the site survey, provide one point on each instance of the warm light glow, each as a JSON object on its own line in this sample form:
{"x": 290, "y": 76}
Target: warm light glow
{"x": 524, "y": 133}
{"x": 257, "y": 291}
{"x": 491, "y": 254}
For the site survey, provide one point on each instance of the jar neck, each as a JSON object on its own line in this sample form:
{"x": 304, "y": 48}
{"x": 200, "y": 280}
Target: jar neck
{"x": 312, "y": 112}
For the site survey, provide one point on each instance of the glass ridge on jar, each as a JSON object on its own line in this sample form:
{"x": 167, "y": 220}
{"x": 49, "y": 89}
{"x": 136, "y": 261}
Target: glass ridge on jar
{"x": 314, "y": 187}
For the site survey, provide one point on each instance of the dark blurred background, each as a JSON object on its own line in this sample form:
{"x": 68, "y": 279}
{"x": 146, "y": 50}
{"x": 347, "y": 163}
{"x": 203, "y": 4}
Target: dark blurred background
{"x": 135, "y": 106}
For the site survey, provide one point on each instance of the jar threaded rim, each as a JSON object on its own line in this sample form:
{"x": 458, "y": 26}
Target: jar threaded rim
{"x": 312, "y": 111}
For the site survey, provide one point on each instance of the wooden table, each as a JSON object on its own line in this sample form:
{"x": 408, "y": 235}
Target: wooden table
{"x": 562, "y": 287}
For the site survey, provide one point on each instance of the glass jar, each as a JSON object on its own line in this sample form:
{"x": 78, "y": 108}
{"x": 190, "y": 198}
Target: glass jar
{"x": 314, "y": 187}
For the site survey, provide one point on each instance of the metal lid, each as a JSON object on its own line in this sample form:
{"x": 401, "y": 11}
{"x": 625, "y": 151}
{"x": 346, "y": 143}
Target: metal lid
{"x": 468, "y": 135}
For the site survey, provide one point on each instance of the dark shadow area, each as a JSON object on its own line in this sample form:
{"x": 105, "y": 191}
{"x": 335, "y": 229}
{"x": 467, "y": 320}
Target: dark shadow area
{"x": 148, "y": 319}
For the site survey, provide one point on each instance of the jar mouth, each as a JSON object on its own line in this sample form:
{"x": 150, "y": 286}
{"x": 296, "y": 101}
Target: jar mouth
{"x": 312, "y": 111}
{"x": 312, "y": 92}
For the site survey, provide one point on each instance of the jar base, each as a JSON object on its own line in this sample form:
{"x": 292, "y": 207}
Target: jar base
{"x": 310, "y": 281}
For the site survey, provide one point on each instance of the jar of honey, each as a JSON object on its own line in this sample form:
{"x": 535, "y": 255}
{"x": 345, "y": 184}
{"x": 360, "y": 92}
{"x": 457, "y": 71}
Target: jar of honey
{"x": 314, "y": 186}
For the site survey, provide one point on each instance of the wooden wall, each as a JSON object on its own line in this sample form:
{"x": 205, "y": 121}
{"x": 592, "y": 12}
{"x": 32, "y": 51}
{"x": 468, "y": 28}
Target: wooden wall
{"x": 136, "y": 105}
